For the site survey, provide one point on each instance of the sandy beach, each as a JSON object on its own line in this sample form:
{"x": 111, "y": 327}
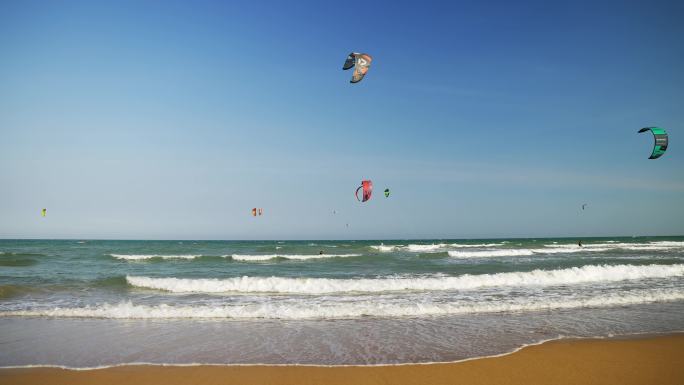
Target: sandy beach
{"x": 252, "y": 193}
{"x": 644, "y": 360}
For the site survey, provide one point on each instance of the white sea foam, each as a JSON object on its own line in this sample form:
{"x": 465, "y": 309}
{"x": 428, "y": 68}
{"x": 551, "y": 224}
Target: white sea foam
{"x": 431, "y": 248}
{"x": 566, "y": 246}
{"x": 138, "y": 257}
{"x": 386, "y": 249}
{"x": 288, "y": 285}
{"x": 591, "y": 245}
{"x": 476, "y": 245}
{"x": 570, "y": 250}
{"x": 354, "y": 309}
{"x": 266, "y": 257}
{"x": 653, "y": 246}
{"x": 426, "y": 248}
{"x": 519, "y": 252}
{"x": 490, "y": 253}
{"x": 668, "y": 243}
{"x": 237, "y": 257}
{"x": 649, "y": 248}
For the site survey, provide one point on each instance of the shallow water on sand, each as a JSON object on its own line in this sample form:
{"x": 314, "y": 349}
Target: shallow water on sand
{"x": 93, "y": 303}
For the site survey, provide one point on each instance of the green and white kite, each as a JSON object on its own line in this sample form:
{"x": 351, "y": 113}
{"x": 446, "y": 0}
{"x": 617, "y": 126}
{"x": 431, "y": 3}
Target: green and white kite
{"x": 660, "y": 137}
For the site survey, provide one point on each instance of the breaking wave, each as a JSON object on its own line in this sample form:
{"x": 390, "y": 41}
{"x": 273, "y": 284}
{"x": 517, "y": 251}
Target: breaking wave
{"x": 654, "y": 246}
{"x": 385, "y": 249}
{"x": 246, "y": 257}
{"x": 355, "y": 309}
{"x": 288, "y": 285}
{"x": 521, "y": 252}
{"x": 426, "y": 248}
{"x": 140, "y": 257}
{"x": 476, "y": 245}
{"x": 236, "y": 257}
{"x": 417, "y": 248}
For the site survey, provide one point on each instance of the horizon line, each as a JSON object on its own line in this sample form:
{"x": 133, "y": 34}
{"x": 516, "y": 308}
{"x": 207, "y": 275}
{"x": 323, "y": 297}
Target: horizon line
{"x": 339, "y": 239}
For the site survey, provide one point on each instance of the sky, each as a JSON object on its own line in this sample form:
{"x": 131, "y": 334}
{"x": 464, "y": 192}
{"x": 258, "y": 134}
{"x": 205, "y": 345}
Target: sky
{"x": 173, "y": 119}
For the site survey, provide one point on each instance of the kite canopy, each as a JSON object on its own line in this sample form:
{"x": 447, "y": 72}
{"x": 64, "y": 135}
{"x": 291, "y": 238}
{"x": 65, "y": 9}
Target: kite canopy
{"x": 660, "y": 137}
{"x": 349, "y": 63}
{"x": 367, "y": 187}
{"x": 583, "y": 206}
{"x": 43, "y": 212}
{"x": 256, "y": 211}
{"x": 387, "y": 192}
{"x": 360, "y": 62}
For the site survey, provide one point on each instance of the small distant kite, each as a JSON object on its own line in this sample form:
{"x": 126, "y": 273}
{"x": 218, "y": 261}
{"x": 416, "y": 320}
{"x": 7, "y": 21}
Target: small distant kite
{"x": 43, "y": 212}
{"x": 660, "y": 137}
{"x": 361, "y": 63}
{"x": 256, "y": 211}
{"x": 387, "y": 192}
{"x": 583, "y": 206}
{"x": 367, "y": 187}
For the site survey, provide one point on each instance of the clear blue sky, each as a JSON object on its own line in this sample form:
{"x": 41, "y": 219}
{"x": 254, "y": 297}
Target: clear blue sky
{"x": 170, "y": 119}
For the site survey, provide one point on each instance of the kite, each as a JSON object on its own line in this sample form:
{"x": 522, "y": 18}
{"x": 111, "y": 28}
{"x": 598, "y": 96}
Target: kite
{"x": 583, "y": 206}
{"x": 361, "y": 63}
{"x": 660, "y": 137}
{"x": 367, "y": 187}
{"x": 43, "y": 212}
{"x": 387, "y": 192}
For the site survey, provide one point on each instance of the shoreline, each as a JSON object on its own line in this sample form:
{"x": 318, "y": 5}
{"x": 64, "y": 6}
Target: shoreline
{"x": 622, "y": 359}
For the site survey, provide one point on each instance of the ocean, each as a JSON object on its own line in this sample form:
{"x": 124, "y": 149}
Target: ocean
{"x": 94, "y": 303}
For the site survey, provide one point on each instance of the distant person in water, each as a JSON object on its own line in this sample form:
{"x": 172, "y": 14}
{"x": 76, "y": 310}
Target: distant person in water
{"x": 320, "y": 252}
{"x": 579, "y": 243}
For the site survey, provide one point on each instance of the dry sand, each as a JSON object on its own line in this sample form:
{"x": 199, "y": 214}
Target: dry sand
{"x": 648, "y": 360}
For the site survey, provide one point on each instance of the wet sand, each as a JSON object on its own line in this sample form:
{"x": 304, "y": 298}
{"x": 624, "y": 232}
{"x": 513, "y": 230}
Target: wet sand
{"x": 646, "y": 360}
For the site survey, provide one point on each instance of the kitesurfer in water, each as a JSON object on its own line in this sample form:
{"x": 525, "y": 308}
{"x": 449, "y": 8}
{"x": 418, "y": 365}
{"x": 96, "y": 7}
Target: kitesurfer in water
{"x": 580, "y": 243}
{"x": 320, "y": 252}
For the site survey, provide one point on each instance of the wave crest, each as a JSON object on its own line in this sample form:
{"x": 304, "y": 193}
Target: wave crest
{"x": 520, "y": 252}
{"x": 356, "y": 309}
{"x": 287, "y": 285}
{"x": 140, "y": 257}
{"x": 247, "y": 257}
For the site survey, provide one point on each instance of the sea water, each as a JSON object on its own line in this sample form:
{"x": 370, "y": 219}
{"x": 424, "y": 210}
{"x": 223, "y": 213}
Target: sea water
{"x": 95, "y": 303}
